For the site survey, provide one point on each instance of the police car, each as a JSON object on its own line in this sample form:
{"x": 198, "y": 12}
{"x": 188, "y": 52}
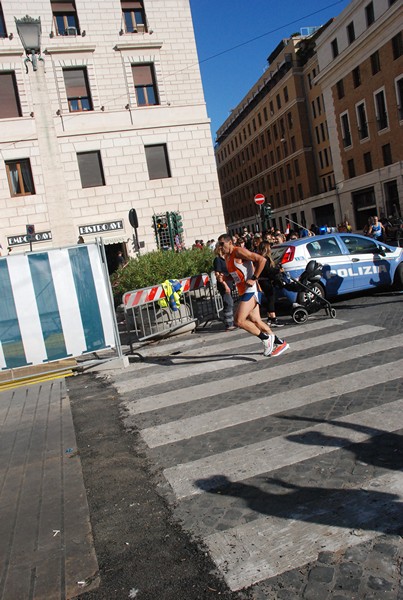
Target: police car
{"x": 351, "y": 263}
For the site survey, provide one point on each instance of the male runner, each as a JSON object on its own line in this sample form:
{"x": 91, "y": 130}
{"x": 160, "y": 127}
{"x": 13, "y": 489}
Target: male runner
{"x": 245, "y": 267}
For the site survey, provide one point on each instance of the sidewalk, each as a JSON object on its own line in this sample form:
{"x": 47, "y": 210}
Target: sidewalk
{"x": 46, "y": 546}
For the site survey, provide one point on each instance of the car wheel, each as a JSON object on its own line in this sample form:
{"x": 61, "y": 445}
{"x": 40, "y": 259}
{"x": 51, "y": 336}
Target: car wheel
{"x": 306, "y": 297}
{"x": 398, "y": 281}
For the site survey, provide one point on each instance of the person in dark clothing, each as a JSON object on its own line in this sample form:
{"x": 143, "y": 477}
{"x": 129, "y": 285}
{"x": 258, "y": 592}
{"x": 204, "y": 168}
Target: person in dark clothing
{"x": 225, "y": 285}
{"x": 267, "y": 281}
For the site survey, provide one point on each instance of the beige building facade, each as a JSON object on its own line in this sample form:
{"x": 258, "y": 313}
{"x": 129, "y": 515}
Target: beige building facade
{"x": 113, "y": 119}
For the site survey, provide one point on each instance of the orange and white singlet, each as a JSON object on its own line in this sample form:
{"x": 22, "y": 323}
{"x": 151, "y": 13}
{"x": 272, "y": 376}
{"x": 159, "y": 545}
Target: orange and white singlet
{"x": 240, "y": 273}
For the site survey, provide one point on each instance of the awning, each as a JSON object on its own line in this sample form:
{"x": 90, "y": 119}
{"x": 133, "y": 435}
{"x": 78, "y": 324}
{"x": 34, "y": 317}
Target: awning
{"x": 115, "y": 240}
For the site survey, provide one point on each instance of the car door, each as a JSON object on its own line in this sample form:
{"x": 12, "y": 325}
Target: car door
{"x": 336, "y": 261}
{"x": 370, "y": 264}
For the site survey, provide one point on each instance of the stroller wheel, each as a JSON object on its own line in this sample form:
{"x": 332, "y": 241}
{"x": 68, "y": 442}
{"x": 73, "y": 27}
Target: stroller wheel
{"x": 300, "y": 315}
{"x": 332, "y": 313}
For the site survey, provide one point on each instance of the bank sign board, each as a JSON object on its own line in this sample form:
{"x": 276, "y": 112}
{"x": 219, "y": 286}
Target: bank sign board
{"x": 100, "y": 227}
{"x": 19, "y": 240}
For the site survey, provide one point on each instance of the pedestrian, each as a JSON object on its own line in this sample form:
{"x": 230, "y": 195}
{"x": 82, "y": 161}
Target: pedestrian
{"x": 225, "y": 286}
{"x": 120, "y": 259}
{"x": 245, "y": 268}
{"x": 268, "y": 278}
{"x": 376, "y": 229}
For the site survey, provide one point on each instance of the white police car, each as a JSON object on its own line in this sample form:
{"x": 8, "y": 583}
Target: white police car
{"x": 351, "y": 262}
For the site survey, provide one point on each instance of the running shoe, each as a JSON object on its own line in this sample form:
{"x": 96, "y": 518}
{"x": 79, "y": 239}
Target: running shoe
{"x": 268, "y": 345}
{"x": 275, "y": 323}
{"x": 280, "y": 348}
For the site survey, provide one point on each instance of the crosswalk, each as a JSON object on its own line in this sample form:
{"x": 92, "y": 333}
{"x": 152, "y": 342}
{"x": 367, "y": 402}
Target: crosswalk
{"x": 273, "y": 460}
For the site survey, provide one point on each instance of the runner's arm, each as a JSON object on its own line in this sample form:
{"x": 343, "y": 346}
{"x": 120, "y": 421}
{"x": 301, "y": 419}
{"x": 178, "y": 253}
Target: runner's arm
{"x": 257, "y": 260}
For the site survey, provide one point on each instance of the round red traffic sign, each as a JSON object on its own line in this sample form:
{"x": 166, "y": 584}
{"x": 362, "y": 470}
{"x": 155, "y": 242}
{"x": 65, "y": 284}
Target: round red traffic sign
{"x": 259, "y": 199}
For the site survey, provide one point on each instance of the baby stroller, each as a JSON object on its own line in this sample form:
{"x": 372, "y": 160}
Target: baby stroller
{"x": 312, "y": 300}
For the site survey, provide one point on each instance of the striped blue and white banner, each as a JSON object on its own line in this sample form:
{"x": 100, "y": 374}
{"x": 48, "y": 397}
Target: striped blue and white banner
{"x": 53, "y": 305}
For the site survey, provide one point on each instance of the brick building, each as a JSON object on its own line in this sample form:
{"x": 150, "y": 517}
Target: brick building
{"x": 361, "y": 75}
{"x": 267, "y": 144}
{"x": 114, "y": 119}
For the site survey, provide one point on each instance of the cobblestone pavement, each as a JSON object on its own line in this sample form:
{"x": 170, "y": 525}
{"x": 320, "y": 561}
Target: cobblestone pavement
{"x": 288, "y": 469}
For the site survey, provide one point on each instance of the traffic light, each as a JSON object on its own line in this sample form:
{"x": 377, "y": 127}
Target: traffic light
{"x": 177, "y": 223}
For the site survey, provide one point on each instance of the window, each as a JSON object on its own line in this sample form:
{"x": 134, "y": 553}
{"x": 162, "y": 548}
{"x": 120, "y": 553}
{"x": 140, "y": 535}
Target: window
{"x": 367, "y": 162}
{"x": 77, "y": 89}
{"x": 362, "y": 121}
{"x": 65, "y": 18}
{"x": 91, "y": 171}
{"x": 399, "y": 97}
{"x": 345, "y": 129}
{"x": 375, "y": 63}
{"x": 369, "y": 14}
{"x": 350, "y": 32}
{"x": 278, "y": 100}
{"x": 293, "y": 144}
{"x": 19, "y": 176}
{"x": 335, "y": 48}
{"x": 326, "y": 246}
{"x": 275, "y": 178}
{"x": 265, "y": 113}
{"x": 397, "y": 45}
{"x": 157, "y": 161}
{"x": 9, "y": 99}
{"x": 319, "y": 105}
{"x": 296, "y": 168}
{"x": 356, "y": 77}
{"x": 313, "y": 109}
{"x": 351, "y": 168}
{"x": 3, "y": 30}
{"x": 340, "y": 89}
{"x": 285, "y": 94}
{"x": 380, "y": 108}
{"x": 134, "y": 16}
{"x": 145, "y": 86}
{"x": 300, "y": 192}
{"x": 290, "y": 121}
{"x": 387, "y": 155}
{"x": 359, "y": 245}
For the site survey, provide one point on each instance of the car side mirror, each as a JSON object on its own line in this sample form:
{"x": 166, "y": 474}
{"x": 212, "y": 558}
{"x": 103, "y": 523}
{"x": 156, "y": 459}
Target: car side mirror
{"x": 380, "y": 251}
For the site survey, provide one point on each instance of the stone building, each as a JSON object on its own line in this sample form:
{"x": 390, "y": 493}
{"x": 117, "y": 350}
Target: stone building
{"x": 114, "y": 118}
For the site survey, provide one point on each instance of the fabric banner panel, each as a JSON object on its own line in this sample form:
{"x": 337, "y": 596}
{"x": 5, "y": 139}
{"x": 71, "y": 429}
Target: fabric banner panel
{"x": 54, "y": 305}
{"x": 48, "y": 309}
{"x": 12, "y": 348}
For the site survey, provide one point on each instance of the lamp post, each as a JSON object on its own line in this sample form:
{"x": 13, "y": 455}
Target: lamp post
{"x": 29, "y": 30}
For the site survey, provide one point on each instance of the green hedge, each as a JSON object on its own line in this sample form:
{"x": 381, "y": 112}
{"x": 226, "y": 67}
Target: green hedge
{"x": 155, "y": 267}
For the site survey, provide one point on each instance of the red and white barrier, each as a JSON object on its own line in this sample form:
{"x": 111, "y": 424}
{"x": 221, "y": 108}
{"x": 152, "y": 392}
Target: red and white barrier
{"x": 152, "y": 294}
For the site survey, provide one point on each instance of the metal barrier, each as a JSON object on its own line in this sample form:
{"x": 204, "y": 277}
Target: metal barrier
{"x": 146, "y": 319}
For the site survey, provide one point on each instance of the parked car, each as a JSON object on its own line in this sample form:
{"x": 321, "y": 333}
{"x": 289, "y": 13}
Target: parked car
{"x": 351, "y": 262}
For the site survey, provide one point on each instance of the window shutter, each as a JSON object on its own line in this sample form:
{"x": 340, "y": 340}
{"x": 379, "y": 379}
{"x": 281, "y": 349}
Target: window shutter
{"x": 76, "y": 84}
{"x": 90, "y": 166}
{"x": 9, "y": 102}
{"x": 63, "y": 7}
{"x": 142, "y": 74}
{"x": 130, "y": 4}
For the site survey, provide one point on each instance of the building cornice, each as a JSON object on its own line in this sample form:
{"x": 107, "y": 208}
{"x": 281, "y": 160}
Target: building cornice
{"x": 69, "y": 48}
{"x": 138, "y": 45}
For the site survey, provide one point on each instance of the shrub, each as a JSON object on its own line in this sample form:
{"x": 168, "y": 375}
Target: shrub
{"x": 155, "y": 267}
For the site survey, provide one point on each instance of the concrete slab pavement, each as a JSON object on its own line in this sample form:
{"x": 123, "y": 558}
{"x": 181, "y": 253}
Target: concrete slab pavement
{"x": 46, "y": 546}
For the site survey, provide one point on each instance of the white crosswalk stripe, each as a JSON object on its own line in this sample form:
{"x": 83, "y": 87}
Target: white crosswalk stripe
{"x": 271, "y": 543}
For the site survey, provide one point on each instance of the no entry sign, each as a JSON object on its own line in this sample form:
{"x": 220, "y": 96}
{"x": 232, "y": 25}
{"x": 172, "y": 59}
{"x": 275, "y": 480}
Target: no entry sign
{"x": 259, "y": 199}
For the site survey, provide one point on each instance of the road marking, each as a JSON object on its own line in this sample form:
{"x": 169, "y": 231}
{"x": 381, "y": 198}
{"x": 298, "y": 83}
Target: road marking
{"x": 275, "y": 453}
{"x": 198, "y": 350}
{"x": 187, "y": 428}
{"x": 271, "y": 545}
{"x": 150, "y": 403}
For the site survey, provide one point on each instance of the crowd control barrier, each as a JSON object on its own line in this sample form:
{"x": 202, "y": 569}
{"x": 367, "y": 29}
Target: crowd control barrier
{"x": 146, "y": 317}
{"x": 55, "y": 304}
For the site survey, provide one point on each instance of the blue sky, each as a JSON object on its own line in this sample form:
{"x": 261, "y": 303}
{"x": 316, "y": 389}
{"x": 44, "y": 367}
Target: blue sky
{"x": 220, "y": 25}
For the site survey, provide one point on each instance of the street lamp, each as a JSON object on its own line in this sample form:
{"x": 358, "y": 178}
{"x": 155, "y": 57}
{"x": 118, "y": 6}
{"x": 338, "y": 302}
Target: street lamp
{"x": 29, "y": 30}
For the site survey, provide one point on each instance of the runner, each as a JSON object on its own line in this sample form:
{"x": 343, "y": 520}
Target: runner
{"x": 245, "y": 267}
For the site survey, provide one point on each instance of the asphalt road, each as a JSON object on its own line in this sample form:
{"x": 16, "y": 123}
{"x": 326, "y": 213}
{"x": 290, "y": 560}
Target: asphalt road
{"x": 212, "y": 471}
